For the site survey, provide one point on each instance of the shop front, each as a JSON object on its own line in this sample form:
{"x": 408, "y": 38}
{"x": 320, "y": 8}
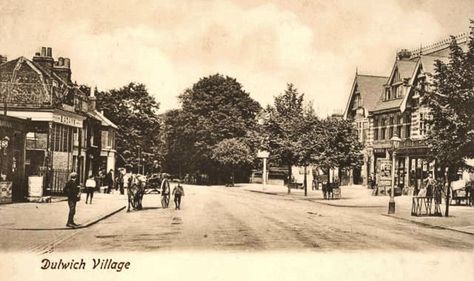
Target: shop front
{"x": 413, "y": 166}
{"x": 50, "y": 146}
{"x": 12, "y": 159}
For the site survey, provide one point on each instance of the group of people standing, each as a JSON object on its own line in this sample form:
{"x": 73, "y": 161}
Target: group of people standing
{"x": 122, "y": 181}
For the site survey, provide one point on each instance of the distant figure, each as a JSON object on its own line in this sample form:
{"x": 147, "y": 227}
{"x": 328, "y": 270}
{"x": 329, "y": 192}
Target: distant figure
{"x": 109, "y": 180}
{"x": 178, "y": 191}
{"x": 90, "y": 188}
{"x": 72, "y": 191}
{"x": 314, "y": 185}
{"x": 429, "y": 183}
{"x": 119, "y": 181}
{"x": 165, "y": 192}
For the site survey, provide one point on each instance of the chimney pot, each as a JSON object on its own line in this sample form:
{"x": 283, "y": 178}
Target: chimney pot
{"x": 67, "y": 62}
{"x": 43, "y": 51}
{"x": 50, "y": 52}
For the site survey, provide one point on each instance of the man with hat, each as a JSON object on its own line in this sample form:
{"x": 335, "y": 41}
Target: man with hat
{"x": 71, "y": 190}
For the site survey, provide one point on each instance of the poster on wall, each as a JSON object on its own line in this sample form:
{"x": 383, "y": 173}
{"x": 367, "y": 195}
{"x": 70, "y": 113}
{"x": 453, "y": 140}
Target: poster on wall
{"x": 5, "y": 191}
{"x": 35, "y": 186}
{"x": 384, "y": 176}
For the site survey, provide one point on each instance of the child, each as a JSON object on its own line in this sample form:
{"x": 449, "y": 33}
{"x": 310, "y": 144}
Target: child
{"x": 90, "y": 188}
{"x": 178, "y": 191}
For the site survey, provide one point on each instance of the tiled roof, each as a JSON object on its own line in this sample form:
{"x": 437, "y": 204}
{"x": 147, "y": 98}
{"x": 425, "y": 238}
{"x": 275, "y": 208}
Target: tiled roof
{"x": 406, "y": 68}
{"x": 391, "y": 104}
{"x": 428, "y": 63}
{"x": 99, "y": 117}
{"x": 370, "y": 88}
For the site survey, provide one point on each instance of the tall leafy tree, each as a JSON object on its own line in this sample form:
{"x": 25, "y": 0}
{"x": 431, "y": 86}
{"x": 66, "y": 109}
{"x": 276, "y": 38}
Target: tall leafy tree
{"x": 232, "y": 153}
{"x": 450, "y": 97}
{"x": 214, "y": 109}
{"x": 283, "y": 126}
{"x": 334, "y": 144}
{"x": 134, "y": 111}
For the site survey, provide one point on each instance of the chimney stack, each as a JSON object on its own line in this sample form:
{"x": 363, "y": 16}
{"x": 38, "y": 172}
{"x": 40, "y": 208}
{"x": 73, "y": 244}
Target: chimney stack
{"x": 92, "y": 99}
{"x": 45, "y": 58}
{"x": 404, "y": 54}
{"x": 62, "y": 69}
{"x": 3, "y": 59}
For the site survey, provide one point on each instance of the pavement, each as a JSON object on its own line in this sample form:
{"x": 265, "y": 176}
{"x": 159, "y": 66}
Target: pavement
{"x": 461, "y": 218}
{"x": 53, "y": 216}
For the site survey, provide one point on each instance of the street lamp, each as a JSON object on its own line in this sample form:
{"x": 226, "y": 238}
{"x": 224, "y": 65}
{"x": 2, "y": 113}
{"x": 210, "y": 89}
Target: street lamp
{"x": 395, "y": 141}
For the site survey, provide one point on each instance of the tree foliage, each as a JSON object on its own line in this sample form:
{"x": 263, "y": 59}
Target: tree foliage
{"x": 451, "y": 101}
{"x": 283, "y": 127}
{"x": 134, "y": 111}
{"x": 216, "y": 108}
{"x": 335, "y": 145}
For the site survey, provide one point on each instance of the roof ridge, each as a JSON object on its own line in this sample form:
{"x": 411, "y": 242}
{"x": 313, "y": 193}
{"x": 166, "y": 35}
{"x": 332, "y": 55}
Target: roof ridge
{"x": 370, "y": 75}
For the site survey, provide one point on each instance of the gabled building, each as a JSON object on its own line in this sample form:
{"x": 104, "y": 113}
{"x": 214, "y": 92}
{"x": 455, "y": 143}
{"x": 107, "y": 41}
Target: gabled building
{"x": 392, "y": 108}
{"x": 363, "y": 98}
{"x": 400, "y": 113}
{"x": 65, "y": 128}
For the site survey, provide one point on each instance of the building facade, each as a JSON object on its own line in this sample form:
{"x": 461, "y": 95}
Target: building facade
{"x": 65, "y": 130}
{"x": 398, "y": 112}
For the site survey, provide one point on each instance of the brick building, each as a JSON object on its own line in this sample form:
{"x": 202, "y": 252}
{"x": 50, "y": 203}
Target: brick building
{"x": 65, "y": 130}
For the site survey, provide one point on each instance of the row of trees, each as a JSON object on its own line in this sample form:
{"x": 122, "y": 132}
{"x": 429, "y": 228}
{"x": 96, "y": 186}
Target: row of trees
{"x": 449, "y": 93}
{"x": 219, "y": 129}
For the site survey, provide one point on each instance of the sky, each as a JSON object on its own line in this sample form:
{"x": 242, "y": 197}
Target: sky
{"x": 169, "y": 45}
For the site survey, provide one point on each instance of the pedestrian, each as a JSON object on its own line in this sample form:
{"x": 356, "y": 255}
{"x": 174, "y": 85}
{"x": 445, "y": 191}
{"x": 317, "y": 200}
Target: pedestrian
{"x": 90, "y": 188}
{"x": 119, "y": 180}
{"x": 178, "y": 191}
{"x": 314, "y": 185}
{"x": 109, "y": 180}
{"x": 165, "y": 192}
{"x": 72, "y": 191}
{"x": 429, "y": 184}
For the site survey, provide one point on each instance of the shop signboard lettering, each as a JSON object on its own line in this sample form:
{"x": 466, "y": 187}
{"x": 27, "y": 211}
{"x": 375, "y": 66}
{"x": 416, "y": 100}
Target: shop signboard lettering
{"x": 67, "y": 120}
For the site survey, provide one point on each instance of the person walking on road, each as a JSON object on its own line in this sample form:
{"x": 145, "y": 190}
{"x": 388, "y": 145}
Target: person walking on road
{"x": 109, "y": 180}
{"x": 72, "y": 191}
{"x": 178, "y": 191}
{"x": 90, "y": 188}
{"x": 165, "y": 192}
{"x": 119, "y": 181}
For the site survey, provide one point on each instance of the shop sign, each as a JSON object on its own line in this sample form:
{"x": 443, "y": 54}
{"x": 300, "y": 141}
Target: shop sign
{"x": 67, "y": 120}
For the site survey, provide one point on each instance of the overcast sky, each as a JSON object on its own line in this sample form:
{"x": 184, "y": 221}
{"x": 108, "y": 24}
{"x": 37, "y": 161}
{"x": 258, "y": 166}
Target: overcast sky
{"x": 169, "y": 45}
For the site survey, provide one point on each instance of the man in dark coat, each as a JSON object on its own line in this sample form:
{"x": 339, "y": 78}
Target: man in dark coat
{"x": 71, "y": 190}
{"x": 109, "y": 180}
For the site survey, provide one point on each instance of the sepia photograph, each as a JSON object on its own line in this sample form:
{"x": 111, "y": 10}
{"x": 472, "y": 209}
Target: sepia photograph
{"x": 237, "y": 140}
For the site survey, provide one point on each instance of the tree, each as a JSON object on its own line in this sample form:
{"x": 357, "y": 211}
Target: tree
{"x": 334, "y": 144}
{"x": 232, "y": 153}
{"x": 214, "y": 109}
{"x": 450, "y": 97}
{"x": 283, "y": 128}
{"x": 310, "y": 132}
{"x": 134, "y": 111}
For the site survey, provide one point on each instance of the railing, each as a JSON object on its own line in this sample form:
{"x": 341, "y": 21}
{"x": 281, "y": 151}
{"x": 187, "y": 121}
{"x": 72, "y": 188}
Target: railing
{"x": 426, "y": 206}
{"x": 54, "y": 180}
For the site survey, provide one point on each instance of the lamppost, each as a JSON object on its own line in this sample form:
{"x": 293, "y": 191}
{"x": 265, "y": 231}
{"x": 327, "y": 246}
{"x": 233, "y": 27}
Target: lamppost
{"x": 395, "y": 141}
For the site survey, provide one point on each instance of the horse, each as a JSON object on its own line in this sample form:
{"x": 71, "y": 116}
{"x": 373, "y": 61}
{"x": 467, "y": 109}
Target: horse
{"x": 135, "y": 192}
